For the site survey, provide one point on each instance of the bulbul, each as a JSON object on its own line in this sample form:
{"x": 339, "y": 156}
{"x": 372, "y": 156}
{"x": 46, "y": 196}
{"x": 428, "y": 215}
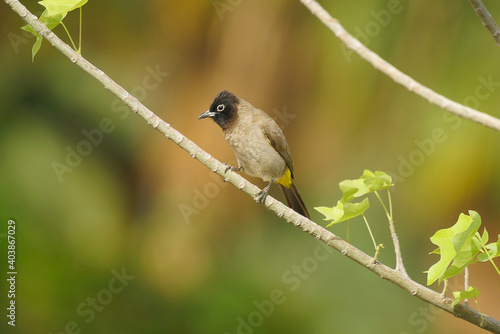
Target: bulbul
{"x": 259, "y": 145}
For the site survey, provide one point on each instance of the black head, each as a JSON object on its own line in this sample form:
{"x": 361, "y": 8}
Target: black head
{"x": 223, "y": 110}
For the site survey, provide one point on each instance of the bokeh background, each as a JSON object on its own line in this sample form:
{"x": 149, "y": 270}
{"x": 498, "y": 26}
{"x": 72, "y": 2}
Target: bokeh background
{"x": 194, "y": 254}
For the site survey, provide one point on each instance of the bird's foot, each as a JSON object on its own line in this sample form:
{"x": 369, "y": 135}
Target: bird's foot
{"x": 261, "y": 195}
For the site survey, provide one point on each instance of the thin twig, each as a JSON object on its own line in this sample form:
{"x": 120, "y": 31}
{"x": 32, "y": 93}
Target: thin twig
{"x": 370, "y": 231}
{"x": 486, "y": 19}
{"x": 280, "y": 209}
{"x": 445, "y": 287}
{"x": 395, "y": 240}
{"x": 397, "y": 250}
{"x": 395, "y": 74}
{"x": 466, "y": 283}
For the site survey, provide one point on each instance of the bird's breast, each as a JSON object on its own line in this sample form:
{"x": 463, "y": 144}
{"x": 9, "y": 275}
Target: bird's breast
{"x": 254, "y": 153}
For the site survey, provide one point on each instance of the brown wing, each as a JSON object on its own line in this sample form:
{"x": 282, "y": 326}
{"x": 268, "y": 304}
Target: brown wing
{"x": 275, "y": 137}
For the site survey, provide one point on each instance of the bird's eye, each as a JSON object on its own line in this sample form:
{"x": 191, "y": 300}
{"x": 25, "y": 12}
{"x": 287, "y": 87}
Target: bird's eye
{"x": 220, "y": 107}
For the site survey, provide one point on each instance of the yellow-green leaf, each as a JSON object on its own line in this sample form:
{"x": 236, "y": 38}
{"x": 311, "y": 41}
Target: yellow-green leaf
{"x": 455, "y": 245}
{"x": 56, "y": 7}
{"x": 462, "y": 295}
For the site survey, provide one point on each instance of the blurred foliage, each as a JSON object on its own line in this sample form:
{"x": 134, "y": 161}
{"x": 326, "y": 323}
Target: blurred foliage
{"x": 119, "y": 207}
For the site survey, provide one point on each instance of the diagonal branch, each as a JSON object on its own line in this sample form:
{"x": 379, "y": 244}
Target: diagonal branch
{"x": 273, "y": 205}
{"x": 486, "y": 19}
{"x": 395, "y": 74}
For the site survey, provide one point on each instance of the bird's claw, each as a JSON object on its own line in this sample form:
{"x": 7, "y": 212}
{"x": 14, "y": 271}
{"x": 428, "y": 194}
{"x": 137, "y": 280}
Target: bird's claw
{"x": 261, "y": 196}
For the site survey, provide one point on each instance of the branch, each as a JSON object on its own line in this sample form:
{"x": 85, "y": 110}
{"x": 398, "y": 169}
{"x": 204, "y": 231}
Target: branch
{"x": 395, "y": 74}
{"x": 273, "y": 205}
{"x": 486, "y": 19}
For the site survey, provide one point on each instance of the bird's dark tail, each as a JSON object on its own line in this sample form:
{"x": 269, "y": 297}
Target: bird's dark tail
{"x": 294, "y": 200}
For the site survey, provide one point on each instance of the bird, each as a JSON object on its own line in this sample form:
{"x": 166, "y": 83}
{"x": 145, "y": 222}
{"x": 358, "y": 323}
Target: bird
{"x": 258, "y": 144}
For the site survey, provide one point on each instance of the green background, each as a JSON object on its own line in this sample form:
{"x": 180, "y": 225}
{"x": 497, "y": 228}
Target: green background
{"x": 202, "y": 257}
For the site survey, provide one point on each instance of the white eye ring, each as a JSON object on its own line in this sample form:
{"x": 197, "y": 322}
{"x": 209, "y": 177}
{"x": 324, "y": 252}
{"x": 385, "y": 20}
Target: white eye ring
{"x": 220, "y": 107}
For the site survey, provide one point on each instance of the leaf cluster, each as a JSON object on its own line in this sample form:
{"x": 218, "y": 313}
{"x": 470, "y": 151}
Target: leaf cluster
{"x": 345, "y": 209}
{"x": 53, "y": 15}
{"x": 461, "y": 245}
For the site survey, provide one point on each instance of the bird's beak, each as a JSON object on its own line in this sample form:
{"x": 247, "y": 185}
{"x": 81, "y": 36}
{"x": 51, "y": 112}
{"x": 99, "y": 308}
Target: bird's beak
{"x": 206, "y": 114}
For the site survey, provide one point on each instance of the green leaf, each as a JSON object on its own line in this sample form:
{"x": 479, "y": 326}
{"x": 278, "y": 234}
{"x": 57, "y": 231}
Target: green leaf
{"x": 376, "y": 181}
{"x": 38, "y": 41}
{"x": 485, "y": 237}
{"x": 463, "y": 258}
{"x": 462, "y": 295}
{"x": 352, "y": 189}
{"x": 367, "y": 183}
{"x": 343, "y": 212}
{"x": 50, "y": 22}
{"x": 436, "y": 251}
{"x": 326, "y": 211}
{"x": 455, "y": 245}
{"x": 36, "y": 47}
{"x": 460, "y": 239}
{"x": 57, "y": 7}
{"x": 493, "y": 251}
